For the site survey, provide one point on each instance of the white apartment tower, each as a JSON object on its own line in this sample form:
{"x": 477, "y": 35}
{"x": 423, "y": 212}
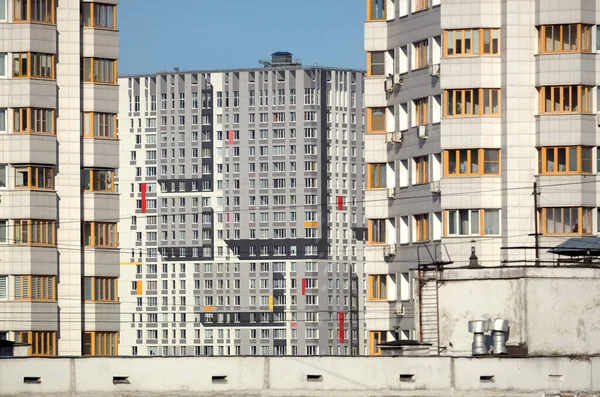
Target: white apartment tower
{"x": 241, "y": 207}
{"x": 59, "y": 262}
{"x": 468, "y": 104}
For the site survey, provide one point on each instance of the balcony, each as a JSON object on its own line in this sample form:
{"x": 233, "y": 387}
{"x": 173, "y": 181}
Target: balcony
{"x": 28, "y": 148}
{"x": 565, "y": 68}
{"x": 29, "y": 315}
{"x": 25, "y": 259}
{"x": 29, "y": 92}
{"x": 101, "y": 262}
{"x": 33, "y": 37}
{"x": 100, "y": 43}
{"x": 100, "y": 207}
{"x": 103, "y": 98}
{"x": 102, "y": 316}
{"x": 28, "y": 204}
{"x": 100, "y": 153}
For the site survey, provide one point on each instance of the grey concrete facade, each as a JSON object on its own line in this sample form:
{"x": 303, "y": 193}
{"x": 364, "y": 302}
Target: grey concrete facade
{"x": 259, "y": 158}
{"x": 53, "y": 293}
{"x": 479, "y": 50}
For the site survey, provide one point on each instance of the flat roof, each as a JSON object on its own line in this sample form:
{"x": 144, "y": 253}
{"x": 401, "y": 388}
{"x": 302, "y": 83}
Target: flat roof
{"x": 256, "y": 69}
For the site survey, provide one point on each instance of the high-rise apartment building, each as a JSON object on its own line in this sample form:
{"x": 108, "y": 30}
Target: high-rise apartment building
{"x": 59, "y": 262}
{"x": 468, "y": 104}
{"x": 242, "y": 211}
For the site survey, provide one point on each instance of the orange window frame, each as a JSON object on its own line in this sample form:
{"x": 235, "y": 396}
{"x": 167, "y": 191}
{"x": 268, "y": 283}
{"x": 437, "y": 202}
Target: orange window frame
{"x": 481, "y": 162}
{"x": 27, "y": 229}
{"x": 422, "y": 169}
{"x": 370, "y": 64}
{"x": 565, "y": 99}
{"x": 370, "y": 11}
{"x": 95, "y": 180}
{"x": 43, "y": 343}
{"x": 92, "y": 16}
{"x": 50, "y": 12}
{"x": 584, "y": 38}
{"x": 422, "y": 227}
{"x": 421, "y": 5}
{"x": 95, "y": 125}
{"x": 376, "y": 337}
{"x": 376, "y": 168}
{"x": 45, "y": 285}
{"x": 90, "y": 72}
{"x": 456, "y": 101}
{"x": 377, "y": 287}
{"x": 543, "y": 213}
{"x": 29, "y": 120}
{"x": 42, "y": 174}
{"x": 102, "y": 289}
{"x": 543, "y": 166}
{"x": 94, "y": 232}
{"x": 422, "y": 111}
{"x": 374, "y": 231}
{"x": 421, "y": 54}
{"x": 32, "y": 61}
{"x": 477, "y": 42}
{"x": 370, "y": 120}
{"x": 100, "y": 344}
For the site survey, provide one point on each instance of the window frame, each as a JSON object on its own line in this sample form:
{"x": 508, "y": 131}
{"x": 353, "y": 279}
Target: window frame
{"x": 105, "y": 343}
{"x": 370, "y": 10}
{"x": 90, "y": 126}
{"x": 28, "y": 184}
{"x": 370, "y": 120}
{"x": 581, "y": 30}
{"x": 99, "y": 230}
{"x": 377, "y": 167}
{"x": 379, "y": 293}
{"x": 101, "y": 290}
{"x": 92, "y": 17}
{"x": 450, "y": 99}
{"x": 421, "y": 111}
{"x": 89, "y": 66}
{"x": 480, "y": 222}
{"x": 543, "y": 220}
{"x": 481, "y": 162}
{"x": 47, "y": 284}
{"x": 42, "y": 343}
{"x": 46, "y": 227}
{"x": 421, "y": 169}
{"x": 421, "y": 227}
{"x": 376, "y": 337}
{"x": 378, "y": 227}
{"x": 96, "y": 179}
{"x": 31, "y": 61}
{"x": 584, "y": 99}
{"x": 543, "y": 160}
{"x": 421, "y": 53}
{"x": 370, "y": 64}
{"x": 34, "y": 118}
{"x": 50, "y": 19}
{"x": 480, "y": 40}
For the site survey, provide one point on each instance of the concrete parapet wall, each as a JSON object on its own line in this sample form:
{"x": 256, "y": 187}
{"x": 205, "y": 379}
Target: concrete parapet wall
{"x": 299, "y": 376}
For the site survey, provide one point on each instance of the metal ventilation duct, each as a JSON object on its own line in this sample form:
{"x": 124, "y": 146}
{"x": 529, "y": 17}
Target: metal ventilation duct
{"x": 479, "y": 328}
{"x": 499, "y": 330}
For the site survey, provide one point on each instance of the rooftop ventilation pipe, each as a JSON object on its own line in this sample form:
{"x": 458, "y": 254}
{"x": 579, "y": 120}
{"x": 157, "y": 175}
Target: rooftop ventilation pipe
{"x": 479, "y": 328}
{"x": 499, "y": 330}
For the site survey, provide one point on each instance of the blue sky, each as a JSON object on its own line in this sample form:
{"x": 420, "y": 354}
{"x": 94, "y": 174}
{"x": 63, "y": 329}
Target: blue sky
{"x": 158, "y": 35}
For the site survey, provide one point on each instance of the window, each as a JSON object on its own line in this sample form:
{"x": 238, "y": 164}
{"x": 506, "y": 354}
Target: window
{"x": 35, "y": 288}
{"x": 96, "y": 15}
{"x": 421, "y": 169}
{"x": 565, "y": 160}
{"x": 375, "y": 338}
{"x": 566, "y": 220}
{"x": 377, "y": 286}
{"x": 43, "y": 343}
{"x": 34, "y": 232}
{"x": 422, "y": 227}
{"x": 96, "y": 70}
{"x": 465, "y": 162}
{"x": 421, "y": 111}
{"x": 376, "y": 63}
{"x": 477, "y": 222}
{"x": 471, "y": 42}
{"x": 565, "y": 38}
{"x": 100, "y": 235}
{"x": 33, "y": 64}
{"x": 565, "y": 99}
{"x": 41, "y": 11}
{"x": 3, "y": 287}
{"x": 376, "y": 10}
{"x": 377, "y": 231}
{"x": 34, "y": 177}
{"x": 33, "y": 121}
{"x": 377, "y": 175}
{"x": 100, "y": 343}
{"x": 472, "y": 102}
{"x": 376, "y": 120}
{"x": 421, "y": 51}
{"x": 99, "y": 125}
{"x": 100, "y": 289}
